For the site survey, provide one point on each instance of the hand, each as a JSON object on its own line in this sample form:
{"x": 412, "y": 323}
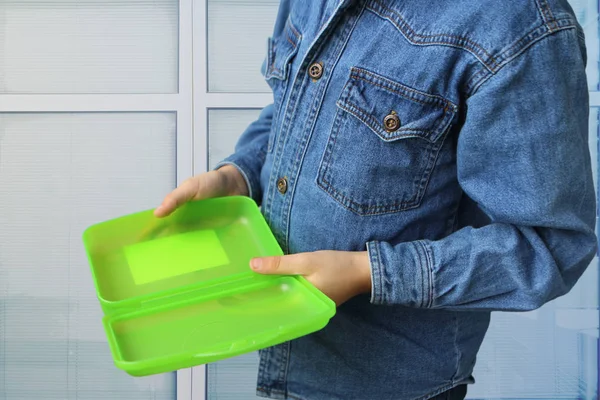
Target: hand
{"x": 341, "y": 275}
{"x": 226, "y": 181}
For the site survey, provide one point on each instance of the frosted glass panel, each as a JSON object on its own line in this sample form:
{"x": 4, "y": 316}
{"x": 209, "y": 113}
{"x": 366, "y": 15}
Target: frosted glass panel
{"x": 88, "y": 46}
{"x": 59, "y": 173}
{"x": 233, "y": 379}
{"x": 587, "y": 15}
{"x": 237, "y": 43}
{"x": 224, "y": 129}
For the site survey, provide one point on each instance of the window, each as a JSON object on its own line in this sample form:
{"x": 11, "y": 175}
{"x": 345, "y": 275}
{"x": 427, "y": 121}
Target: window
{"x": 95, "y": 122}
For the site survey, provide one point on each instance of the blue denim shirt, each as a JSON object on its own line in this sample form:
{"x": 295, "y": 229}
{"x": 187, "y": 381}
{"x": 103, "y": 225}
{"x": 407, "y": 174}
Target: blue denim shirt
{"x": 447, "y": 138}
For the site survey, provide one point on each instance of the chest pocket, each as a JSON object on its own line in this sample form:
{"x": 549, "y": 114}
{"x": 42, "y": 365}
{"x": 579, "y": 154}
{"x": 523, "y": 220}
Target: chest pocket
{"x": 383, "y": 145}
{"x": 282, "y": 50}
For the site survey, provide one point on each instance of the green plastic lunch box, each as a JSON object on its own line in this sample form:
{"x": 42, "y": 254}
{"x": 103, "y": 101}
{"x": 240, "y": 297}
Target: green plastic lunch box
{"x": 178, "y": 291}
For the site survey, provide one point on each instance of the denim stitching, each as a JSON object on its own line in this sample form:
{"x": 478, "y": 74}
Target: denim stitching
{"x": 546, "y": 14}
{"x": 294, "y": 30}
{"x": 416, "y": 100}
{"x": 273, "y": 135}
{"x": 283, "y": 365}
{"x": 272, "y": 70}
{"x": 430, "y": 274}
{"x": 291, "y": 106}
{"x": 518, "y": 49}
{"x": 331, "y": 145}
{"x": 411, "y": 35}
{"x": 372, "y": 248}
{"x": 362, "y": 209}
{"x": 420, "y": 302}
{"x": 366, "y": 210}
{"x": 474, "y": 81}
{"x": 429, "y": 266}
{"x": 432, "y": 152}
{"x": 384, "y": 297}
{"x": 456, "y": 349}
{"x": 437, "y": 392}
{"x": 324, "y": 176}
{"x": 407, "y": 98}
{"x": 298, "y": 36}
{"x": 420, "y": 183}
{"x": 285, "y": 122}
{"x": 374, "y": 124}
{"x": 396, "y": 87}
{"x": 308, "y": 129}
{"x": 532, "y": 36}
{"x": 278, "y": 392}
{"x": 264, "y": 360}
{"x": 290, "y": 40}
{"x": 440, "y": 35}
{"x": 363, "y": 115}
{"x": 376, "y": 291}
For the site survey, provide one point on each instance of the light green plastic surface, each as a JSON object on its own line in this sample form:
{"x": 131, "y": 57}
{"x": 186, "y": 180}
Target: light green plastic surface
{"x": 164, "y": 258}
{"x": 178, "y": 292}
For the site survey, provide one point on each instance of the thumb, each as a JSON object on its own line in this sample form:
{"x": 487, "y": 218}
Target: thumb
{"x": 296, "y": 264}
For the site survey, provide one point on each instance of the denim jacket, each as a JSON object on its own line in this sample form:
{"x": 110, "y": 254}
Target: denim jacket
{"x": 449, "y": 139}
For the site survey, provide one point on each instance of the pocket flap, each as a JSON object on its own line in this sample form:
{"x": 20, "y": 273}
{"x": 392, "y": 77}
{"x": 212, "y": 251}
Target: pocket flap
{"x": 374, "y": 100}
{"x": 281, "y": 50}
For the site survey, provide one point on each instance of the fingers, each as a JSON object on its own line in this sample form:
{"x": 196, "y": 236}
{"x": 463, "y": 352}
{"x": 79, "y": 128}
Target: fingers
{"x": 223, "y": 182}
{"x": 187, "y": 191}
{"x": 296, "y": 264}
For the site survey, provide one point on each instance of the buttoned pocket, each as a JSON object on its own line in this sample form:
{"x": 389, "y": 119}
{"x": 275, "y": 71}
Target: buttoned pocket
{"x": 383, "y": 145}
{"x": 280, "y": 55}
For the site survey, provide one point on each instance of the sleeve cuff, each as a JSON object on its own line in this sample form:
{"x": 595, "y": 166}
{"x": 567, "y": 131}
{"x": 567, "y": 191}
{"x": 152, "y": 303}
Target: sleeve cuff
{"x": 253, "y": 183}
{"x": 401, "y": 274}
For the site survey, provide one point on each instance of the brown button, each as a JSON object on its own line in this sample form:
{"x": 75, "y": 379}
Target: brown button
{"x": 282, "y": 185}
{"x": 391, "y": 122}
{"x": 316, "y": 70}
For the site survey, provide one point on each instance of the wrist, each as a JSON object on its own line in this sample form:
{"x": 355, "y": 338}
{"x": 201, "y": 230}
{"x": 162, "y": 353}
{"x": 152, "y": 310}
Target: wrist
{"x": 233, "y": 181}
{"x": 362, "y": 269}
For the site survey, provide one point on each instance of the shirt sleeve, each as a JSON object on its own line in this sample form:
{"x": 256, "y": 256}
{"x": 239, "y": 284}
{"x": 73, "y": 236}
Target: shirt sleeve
{"x": 523, "y": 158}
{"x": 250, "y": 152}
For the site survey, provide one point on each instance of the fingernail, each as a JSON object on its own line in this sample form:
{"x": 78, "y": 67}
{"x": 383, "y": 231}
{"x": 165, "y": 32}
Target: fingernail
{"x": 256, "y": 264}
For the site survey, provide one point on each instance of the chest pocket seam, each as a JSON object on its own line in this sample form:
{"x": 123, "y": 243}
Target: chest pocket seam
{"x": 429, "y": 100}
{"x": 395, "y": 165}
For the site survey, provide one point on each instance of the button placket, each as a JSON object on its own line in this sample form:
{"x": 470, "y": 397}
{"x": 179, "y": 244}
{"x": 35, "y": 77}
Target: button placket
{"x": 277, "y": 205}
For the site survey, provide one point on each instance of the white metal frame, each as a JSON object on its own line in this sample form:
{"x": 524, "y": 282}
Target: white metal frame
{"x": 204, "y": 101}
{"x": 179, "y": 103}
